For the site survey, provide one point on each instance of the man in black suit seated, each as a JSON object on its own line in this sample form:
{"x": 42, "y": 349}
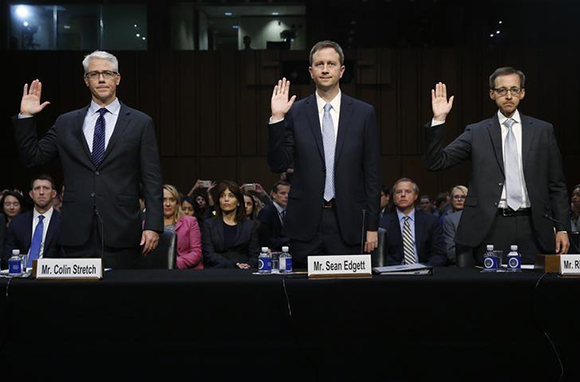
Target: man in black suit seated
{"x": 36, "y": 232}
{"x": 271, "y": 230}
{"x": 412, "y": 235}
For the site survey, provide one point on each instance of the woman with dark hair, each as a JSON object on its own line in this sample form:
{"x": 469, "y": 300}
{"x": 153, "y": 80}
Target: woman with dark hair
{"x": 250, "y": 206}
{"x": 202, "y": 204}
{"x": 12, "y": 204}
{"x": 229, "y": 239}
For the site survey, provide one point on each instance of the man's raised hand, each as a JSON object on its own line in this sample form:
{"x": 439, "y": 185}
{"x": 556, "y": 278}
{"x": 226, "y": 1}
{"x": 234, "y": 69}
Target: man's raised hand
{"x": 30, "y": 103}
{"x": 441, "y": 106}
{"x": 280, "y": 103}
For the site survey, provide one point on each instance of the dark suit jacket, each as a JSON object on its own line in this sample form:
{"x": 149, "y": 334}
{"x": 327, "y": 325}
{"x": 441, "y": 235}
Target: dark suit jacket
{"x": 270, "y": 230}
{"x": 19, "y": 236}
{"x": 298, "y": 140}
{"x": 457, "y": 254}
{"x": 216, "y": 255}
{"x": 481, "y": 142}
{"x": 131, "y": 160}
{"x": 428, "y": 238}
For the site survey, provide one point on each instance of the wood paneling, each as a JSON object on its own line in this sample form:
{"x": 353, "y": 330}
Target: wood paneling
{"x": 211, "y": 108}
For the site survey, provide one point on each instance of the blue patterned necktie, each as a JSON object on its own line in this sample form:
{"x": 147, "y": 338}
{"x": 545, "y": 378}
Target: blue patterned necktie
{"x": 329, "y": 141}
{"x": 513, "y": 181}
{"x": 99, "y": 138}
{"x": 36, "y": 241}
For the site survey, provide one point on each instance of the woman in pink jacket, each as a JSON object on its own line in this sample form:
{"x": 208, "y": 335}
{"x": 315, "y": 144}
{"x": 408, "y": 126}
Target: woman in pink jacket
{"x": 186, "y": 228}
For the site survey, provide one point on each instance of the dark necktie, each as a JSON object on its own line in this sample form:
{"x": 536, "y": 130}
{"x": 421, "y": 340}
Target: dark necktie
{"x": 408, "y": 246}
{"x": 99, "y": 138}
{"x": 36, "y": 241}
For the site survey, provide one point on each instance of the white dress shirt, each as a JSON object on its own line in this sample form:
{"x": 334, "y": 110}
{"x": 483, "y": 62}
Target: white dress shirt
{"x": 47, "y": 216}
{"x": 334, "y": 111}
{"x": 110, "y": 121}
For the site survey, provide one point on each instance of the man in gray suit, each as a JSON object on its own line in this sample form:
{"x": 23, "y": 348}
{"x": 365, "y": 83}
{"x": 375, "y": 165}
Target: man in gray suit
{"x": 517, "y": 193}
{"x": 109, "y": 156}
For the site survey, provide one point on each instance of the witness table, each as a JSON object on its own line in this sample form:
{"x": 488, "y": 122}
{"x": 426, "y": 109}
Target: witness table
{"x": 230, "y": 324}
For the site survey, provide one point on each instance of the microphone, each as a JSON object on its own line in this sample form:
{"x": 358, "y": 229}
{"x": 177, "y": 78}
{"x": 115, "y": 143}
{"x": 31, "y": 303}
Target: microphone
{"x": 546, "y": 216}
{"x": 362, "y": 234}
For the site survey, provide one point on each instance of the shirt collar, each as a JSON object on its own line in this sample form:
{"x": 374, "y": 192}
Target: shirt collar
{"x": 402, "y": 215}
{"x": 335, "y": 103}
{"x": 112, "y": 108}
{"x": 47, "y": 215}
{"x": 502, "y": 118}
{"x": 278, "y": 207}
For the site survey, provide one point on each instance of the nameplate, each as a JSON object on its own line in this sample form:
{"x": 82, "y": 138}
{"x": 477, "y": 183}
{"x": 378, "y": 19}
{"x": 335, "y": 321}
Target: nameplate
{"x": 68, "y": 269}
{"x": 339, "y": 266}
{"x": 570, "y": 265}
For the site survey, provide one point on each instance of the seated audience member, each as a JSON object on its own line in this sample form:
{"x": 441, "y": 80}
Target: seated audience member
{"x": 229, "y": 239}
{"x": 2, "y": 235}
{"x": 450, "y": 224}
{"x": 36, "y": 232}
{"x": 442, "y": 204}
{"x": 186, "y": 228}
{"x": 575, "y": 209}
{"x": 457, "y": 199}
{"x": 188, "y": 206}
{"x": 12, "y": 204}
{"x": 385, "y": 201}
{"x": 412, "y": 236}
{"x": 257, "y": 191}
{"x": 425, "y": 204}
{"x": 250, "y": 205}
{"x": 271, "y": 229}
{"x": 202, "y": 199}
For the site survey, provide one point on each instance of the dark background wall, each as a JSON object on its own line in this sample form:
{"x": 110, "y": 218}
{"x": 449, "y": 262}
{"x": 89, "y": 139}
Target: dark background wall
{"x": 211, "y": 107}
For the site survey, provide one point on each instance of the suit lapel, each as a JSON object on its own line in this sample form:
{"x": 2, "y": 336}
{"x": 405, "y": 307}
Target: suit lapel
{"x": 50, "y": 233}
{"x": 28, "y": 230}
{"x": 346, "y": 108}
{"x": 528, "y": 131}
{"x": 418, "y": 232}
{"x": 121, "y": 125}
{"x": 78, "y": 122}
{"x": 314, "y": 122}
{"x": 494, "y": 131}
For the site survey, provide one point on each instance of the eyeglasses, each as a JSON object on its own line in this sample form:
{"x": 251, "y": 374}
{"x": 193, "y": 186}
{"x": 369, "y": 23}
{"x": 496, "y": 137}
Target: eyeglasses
{"x": 107, "y": 74}
{"x": 503, "y": 91}
{"x": 459, "y": 197}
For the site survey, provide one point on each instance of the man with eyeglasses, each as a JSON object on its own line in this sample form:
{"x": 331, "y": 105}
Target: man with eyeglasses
{"x": 109, "y": 156}
{"x": 517, "y": 194}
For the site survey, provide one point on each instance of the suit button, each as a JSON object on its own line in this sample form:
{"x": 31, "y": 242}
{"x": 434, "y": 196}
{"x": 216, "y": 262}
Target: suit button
{"x": 92, "y": 194}
{"x": 495, "y": 204}
{"x": 97, "y": 173}
{"x": 500, "y": 184}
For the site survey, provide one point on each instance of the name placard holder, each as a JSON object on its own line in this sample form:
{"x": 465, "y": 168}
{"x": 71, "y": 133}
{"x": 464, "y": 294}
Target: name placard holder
{"x": 570, "y": 265}
{"x": 338, "y": 266}
{"x": 68, "y": 269}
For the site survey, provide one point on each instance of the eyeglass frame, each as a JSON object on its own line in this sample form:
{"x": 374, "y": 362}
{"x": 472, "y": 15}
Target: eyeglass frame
{"x": 502, "y": 92}
{"x": 95, "y": 74}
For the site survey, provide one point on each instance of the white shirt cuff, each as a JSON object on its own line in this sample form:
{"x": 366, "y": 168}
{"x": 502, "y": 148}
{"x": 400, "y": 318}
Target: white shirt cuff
{"x": 436, "y": 123}
{"x": 22, "y": 116}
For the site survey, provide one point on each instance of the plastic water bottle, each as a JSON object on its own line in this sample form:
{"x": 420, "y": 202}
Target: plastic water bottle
{"x": 514, "y": 260}
{"x": 490, "y": 261}
{"x": 15, "y": 264}
{"x": 285, "y": 260}
{"x": 264, "y": 261}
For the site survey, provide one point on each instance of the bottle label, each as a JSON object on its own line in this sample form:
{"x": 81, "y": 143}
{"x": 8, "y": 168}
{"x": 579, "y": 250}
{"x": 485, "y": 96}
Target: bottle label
{"x": 490, "y": 262}
{"x": 14, "y": 266}
{"x": 514, "y": 262}
{"x": 264, "y": 264}
{"x": 286, "y": 264}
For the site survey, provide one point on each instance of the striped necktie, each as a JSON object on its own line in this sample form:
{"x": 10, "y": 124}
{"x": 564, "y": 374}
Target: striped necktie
{"x": 329, "y": 141}
{"x": 99, "y": 138}
{"x": 408, "y": 245}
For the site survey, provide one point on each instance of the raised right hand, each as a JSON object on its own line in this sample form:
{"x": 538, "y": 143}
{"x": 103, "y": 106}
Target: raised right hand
{"x": 30, "y": 103}
{"x": 441, "y": 107}
{"x": 280, "y": 103}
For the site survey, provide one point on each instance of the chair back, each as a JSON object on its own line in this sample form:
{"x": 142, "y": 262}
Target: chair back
{"x": 164, "y": 256}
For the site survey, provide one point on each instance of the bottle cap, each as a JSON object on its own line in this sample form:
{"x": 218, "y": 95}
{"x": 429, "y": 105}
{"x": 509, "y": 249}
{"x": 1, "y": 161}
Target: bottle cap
{"x": 514, "y": 247}
{"x": 16, "y": 252}
{"x": 285, "y": 248}
{"x": 264, "y": 249}
{"x": 490, "y": 247}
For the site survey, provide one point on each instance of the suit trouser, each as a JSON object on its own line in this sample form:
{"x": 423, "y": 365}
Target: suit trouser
{"x": 509, "y": 230}
{"x": 327, "y": 241}
{"x": 96, "y": 248}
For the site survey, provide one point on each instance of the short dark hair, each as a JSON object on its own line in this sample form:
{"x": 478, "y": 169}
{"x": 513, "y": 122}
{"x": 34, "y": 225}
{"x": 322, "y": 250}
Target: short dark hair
{"x": 278, "y": 184}
{"x": 327, "y": 44}
{"x": 506, "y": 71}
{"x": 235, "y": 189}
{"x": 43, "y": 177}
{"x": 415, "y": 187}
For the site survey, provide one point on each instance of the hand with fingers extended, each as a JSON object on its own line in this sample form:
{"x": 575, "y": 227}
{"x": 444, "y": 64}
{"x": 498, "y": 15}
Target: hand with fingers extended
{"x": 30, "y": 104}
{"x": 280, "y": 103}
{"x": 441, "y": 106}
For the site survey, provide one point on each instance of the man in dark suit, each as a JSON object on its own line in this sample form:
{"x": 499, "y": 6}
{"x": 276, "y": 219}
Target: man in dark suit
{"x": 109, "y": 155}
{"x": 271, "y": 228}
{"x": 517, "y": 193}
{"x": 332, "y": 141}
{"x": 36, "y": 232}
{"x": 413, "y": 236}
